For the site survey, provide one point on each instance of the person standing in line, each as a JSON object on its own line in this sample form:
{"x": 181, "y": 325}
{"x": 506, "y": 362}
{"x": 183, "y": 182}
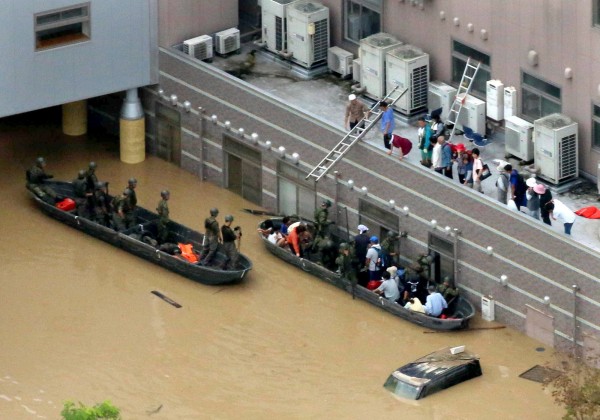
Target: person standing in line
{"x": 446, "y": 158}
{"x": 436, "y": 156}
{"x": 212, "y": 237}
{"x": 533, "y": 199}
{"x": 503, "y": 184}
{"x": 163, "y": 212}
{"x": 558, "y": 210}
{"x": 477, "y": 169}
{"x": 424, "y": 138}
{"x": 518, "y": 186}
{"x": 355, "y": 111}
{"x": 437, "y": 128}
{"x": 468, "y": 168}
{"x": 388, "y": 124}
{"x": 229, "y": 238}
{"x": 545, "y": 198}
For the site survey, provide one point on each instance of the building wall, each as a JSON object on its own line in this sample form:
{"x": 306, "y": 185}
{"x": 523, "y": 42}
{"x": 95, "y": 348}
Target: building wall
{"x": 561, "y": 31}
{"x": 121, "y": 54}
{"x": 533, "y": 272}
{"x": 184, "y": 19}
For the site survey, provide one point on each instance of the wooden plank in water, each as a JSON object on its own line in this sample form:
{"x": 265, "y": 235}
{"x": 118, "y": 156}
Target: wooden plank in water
{"x": 166, "y": 299}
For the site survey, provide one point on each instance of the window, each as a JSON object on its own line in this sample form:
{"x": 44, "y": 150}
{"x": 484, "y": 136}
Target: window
{"x": 460, "y": 54}
{"x": 538, "y": 97}
{"x": 362, "y": 18}
{"x": 379, "y": 220}
{"x": 596, "y": 13}
{"x": 596, "y": 126}
{"x": 443, "y": 251}
{"x": 60, "y": 27}
{"x": 295, "y": 194}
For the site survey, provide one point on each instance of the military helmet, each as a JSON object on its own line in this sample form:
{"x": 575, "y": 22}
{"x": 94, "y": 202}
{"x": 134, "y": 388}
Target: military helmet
{"x": 391, "y": 234}
{"x": 81, "y": 174}
{"x": 40, "y": 161}
{"x": 100, "y": 185}
{"x": 92, "y": 165}
{"x": 127, "y": 192}
{"x": 132, "y": 181}
{"x": 326, "y": 203}
{"x": 343, "y": 246}
{"x": 214, "y": 212}
{"x": 229, "y": 218}
{"x": 165, "y": 193}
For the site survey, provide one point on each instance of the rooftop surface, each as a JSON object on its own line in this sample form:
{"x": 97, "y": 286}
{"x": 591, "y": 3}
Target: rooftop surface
{"x": 325, "y": 97}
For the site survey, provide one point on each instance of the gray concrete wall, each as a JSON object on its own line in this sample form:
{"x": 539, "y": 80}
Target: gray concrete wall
{"x": 121, "y": 54}
{"x": 537, "y": 261}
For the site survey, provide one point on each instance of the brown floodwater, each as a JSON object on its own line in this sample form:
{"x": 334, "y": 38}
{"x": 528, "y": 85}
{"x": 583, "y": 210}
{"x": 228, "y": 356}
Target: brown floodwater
{"x": 78, "y": 320}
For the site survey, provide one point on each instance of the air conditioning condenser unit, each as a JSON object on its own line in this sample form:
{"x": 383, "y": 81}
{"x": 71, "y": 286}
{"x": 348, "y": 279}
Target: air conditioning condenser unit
{"x": 340, "y": 61}
{"x": 555, "y": 149}
{"x": 200, "y": 47}
{"x": 227, "y": 41}
{"x": 440, "y": 95}
{"x": 518, "y": 136}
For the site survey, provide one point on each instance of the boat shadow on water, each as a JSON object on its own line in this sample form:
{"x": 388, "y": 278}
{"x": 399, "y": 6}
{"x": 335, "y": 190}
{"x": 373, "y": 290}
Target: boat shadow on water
{"x": 460, "y": 312}
{"x": 132, "y": 240}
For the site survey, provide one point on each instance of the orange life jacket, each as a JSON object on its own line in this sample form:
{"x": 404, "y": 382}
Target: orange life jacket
{"x": 187, "y": 252}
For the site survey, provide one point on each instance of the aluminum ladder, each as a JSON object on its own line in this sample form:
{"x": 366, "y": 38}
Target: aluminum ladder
{"x": 461, "y": 94}
{"x": 353, "y": 136}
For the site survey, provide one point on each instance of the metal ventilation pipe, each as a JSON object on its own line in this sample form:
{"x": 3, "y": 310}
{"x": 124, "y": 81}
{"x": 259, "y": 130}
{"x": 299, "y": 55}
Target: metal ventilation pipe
{"x": 132, "y": 107}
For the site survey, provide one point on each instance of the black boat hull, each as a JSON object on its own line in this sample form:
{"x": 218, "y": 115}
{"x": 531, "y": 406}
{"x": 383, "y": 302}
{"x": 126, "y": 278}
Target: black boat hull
{"x": 146, "y": 220}
{"x": 463, "y": 312}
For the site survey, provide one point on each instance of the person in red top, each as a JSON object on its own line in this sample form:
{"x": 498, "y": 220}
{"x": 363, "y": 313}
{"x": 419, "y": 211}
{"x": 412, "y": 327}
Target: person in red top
{"x": 295, "y": 237}
{"x": 403, "y": 145}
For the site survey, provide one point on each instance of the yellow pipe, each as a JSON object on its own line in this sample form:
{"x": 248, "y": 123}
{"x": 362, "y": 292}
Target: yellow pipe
{"x": 74, "y": 118}
{"x": 133, "y": 140}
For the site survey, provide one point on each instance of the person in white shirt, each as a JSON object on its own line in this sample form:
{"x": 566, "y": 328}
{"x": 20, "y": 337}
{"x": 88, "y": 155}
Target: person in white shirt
{"x": 389, "y": 288}
{"x": 558, "y": 210}
{"x": 477, "y": 168}
{"x": 414, "y": 304}
{"x": 436, "y": 155}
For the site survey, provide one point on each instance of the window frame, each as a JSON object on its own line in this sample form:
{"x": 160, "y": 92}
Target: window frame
{"x": 596, "y": 13}
{"x": 78, "y": 26}
{"x": 544, "y": 96}
{"x": 596, "y": 126}
{"x": 483, "y": 74}
{"x": 375, "y": 6}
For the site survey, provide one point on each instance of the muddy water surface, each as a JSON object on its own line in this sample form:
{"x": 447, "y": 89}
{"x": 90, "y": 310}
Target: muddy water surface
{"x": 78, "y": 321}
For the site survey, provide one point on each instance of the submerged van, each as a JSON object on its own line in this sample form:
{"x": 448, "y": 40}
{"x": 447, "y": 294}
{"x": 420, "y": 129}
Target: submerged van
{"x": 434, "y": 372}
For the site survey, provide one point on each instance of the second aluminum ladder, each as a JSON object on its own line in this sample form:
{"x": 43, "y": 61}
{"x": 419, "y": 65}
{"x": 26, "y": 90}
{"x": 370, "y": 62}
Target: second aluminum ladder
{"x": 461, "y": 94}
{"x": 353, "y": 136}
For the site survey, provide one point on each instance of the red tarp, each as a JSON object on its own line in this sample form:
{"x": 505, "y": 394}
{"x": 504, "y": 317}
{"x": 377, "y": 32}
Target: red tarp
{"x": 590, "y": 212}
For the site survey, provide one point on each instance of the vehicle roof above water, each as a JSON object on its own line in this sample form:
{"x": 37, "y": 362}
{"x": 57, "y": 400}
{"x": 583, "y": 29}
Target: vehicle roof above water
{"x": 433, "y": 365}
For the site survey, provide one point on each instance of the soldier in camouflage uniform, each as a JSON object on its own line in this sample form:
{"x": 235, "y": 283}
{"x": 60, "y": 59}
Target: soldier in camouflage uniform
{"x": 80, "y": 190}
{"x": 91, "y": 179}
{"x": 321, "y": 219}
{"x": 163, "y": 221}
{"x": 388, "y": 247}
{"x": 121, "y": 210}
{"x": 35, "y": 181}
{"x": 346, "y": 264}
{"x": 212, "y": 237}
{"x": 229, "y": 238}
{"x": 102, "y": 204}
{"x": 447, "y": 289}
